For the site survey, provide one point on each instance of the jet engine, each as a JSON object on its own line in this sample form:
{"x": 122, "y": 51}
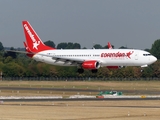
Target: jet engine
{"x": 92, "y": 64}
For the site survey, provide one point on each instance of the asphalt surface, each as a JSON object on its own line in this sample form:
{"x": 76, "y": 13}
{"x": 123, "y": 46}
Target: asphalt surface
{"x": 135, "y": 92}
{"x": 78, "y": 90}
{"x": 76, "y": 99}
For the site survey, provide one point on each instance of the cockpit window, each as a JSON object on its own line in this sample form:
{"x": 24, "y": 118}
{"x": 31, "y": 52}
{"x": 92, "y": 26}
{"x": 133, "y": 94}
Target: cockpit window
{"x": 146, "y": 54}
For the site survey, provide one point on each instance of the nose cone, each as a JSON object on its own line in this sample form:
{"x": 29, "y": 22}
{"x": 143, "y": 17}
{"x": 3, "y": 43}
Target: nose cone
{"x": 153, "y": 59}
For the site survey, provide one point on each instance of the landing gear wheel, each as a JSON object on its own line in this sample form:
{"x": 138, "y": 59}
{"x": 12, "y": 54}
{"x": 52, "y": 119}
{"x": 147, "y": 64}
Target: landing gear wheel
{"x": 80, "y": 71}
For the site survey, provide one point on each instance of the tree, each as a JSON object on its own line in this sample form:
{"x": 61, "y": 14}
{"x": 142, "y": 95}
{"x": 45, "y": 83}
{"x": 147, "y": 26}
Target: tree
{"x": 148, "y": 50}
{"x": 97, "y": 46}
{"x": 50, "y": 43}
{"x": 103, "y": 72}
{"x": 137, "y": 72}
{"x": 147, "y": 72}
{"x": 13, "y": 69}
{"x": 9, "y": 53}
{"x": 76, "y": 46}
{"x": 122, "y": 47}
{"x": 1, "y": 46}
{"x": 156, "y": 69}
{"x": 62, "y": 45}
{"x": 155, "y": 50}
{"x": 69, "y": 45}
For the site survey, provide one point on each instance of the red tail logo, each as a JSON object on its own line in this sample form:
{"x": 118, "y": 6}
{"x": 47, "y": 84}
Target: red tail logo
{"x": 33, "y": 41}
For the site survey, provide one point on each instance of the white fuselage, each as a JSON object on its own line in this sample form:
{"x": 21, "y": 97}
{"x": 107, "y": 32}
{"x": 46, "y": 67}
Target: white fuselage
{"x": 106, "y": 57}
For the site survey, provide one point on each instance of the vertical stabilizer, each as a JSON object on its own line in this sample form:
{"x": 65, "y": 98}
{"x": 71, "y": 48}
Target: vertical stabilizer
{"x": 33, "y": 42}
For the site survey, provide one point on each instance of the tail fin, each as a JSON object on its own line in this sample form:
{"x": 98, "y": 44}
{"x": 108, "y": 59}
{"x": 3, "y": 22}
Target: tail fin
{"x": 109, "y": 45}
{"x": 34, "y": 43}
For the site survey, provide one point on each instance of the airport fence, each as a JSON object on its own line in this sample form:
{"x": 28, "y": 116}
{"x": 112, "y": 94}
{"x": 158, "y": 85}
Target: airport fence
{"x": 75, "y": 79}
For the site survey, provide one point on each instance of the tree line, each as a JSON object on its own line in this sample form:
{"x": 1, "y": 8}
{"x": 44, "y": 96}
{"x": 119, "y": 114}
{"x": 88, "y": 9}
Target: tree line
{"x": 19, "y": 65}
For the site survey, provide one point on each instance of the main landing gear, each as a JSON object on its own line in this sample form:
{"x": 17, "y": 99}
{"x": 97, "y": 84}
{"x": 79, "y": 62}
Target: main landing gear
{"x": 81, "y": 70}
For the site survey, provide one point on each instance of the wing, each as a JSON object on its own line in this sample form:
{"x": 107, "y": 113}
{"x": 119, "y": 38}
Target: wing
{"x": 72, "y": 61}
{"x": 66, "y": 60}
{"x": 24, "y": 52}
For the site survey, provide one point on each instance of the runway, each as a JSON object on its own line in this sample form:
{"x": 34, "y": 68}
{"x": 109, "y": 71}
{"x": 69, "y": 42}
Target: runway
{"x": 114, "y": 98}
{"x": 150, "y": 92}
{"x": 76, "y": 99}
{"x": 38, "y": 101}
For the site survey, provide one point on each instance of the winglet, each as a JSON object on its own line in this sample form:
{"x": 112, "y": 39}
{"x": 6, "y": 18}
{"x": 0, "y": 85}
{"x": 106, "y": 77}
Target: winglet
{"x": 28, "y": 50}
{"x": 109, "y": 45}
{"x": 26, "y": 47}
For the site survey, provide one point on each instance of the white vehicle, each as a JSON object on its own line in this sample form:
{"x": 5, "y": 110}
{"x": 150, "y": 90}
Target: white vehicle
{"x": 91, "y": 59}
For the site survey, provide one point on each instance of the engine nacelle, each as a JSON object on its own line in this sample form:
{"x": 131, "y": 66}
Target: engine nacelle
{"x": 92, "y": 64}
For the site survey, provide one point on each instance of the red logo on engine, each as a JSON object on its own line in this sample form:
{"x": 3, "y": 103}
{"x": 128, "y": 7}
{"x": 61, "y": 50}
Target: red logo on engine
{"x": 117, "y": 55}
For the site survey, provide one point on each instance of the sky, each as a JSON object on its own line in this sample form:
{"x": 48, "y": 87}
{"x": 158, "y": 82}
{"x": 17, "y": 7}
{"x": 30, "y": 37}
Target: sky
{"x": 131, "y": 23}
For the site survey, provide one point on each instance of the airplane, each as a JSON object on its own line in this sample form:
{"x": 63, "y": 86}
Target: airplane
{"x": 90, "y": 59}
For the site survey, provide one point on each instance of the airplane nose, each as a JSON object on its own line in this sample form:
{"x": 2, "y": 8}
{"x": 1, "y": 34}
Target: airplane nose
{"x": 154, "y": 59}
